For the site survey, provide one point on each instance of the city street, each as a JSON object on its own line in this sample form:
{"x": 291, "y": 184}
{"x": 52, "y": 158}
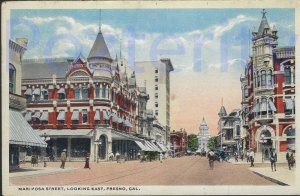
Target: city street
{"x": 189, "y": 170}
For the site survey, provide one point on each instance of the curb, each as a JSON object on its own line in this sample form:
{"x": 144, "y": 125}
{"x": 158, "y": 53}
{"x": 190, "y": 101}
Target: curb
{"x": 271, "y": 179}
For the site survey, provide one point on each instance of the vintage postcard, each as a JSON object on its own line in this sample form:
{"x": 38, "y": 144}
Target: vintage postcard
{"x": 150, "y": 97}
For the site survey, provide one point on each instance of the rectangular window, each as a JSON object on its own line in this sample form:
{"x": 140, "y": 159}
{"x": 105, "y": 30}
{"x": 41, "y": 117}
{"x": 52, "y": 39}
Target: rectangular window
{"x": 45, "y": 117}
{"x": 77, "y": 93}
{"x": 104, "y": 92}
{"x": 85, "y": 92}
{"x": 156, "y": 87}
{"x": 156, "y": 78}
{"x": 156, "y": 70}
{"x": 61, "y": 117}
{"x": 45, "y": 94}
{"x": 84, "y": 116}
{"x": 287, "y": 74}
{"x": 97, "y": 117}
{"x": 156, "y": 95}
{"x": 156, "y": 112}
{"x": 156, "y": 104}
{"x": 61, "y": 96}
{"x": 97, "y": 91}
{"x": 75, "y": 117}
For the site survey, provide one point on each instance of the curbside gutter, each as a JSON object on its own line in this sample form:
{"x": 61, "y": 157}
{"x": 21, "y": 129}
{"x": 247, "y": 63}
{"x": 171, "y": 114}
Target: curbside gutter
{"x": 271, "y": 179}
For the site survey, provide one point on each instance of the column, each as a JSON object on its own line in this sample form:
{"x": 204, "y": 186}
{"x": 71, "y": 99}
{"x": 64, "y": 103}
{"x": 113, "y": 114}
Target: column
{"x": 69, "y": 149}
{"x": 92, "y": 149}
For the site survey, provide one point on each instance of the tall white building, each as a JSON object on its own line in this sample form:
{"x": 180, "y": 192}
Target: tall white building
{"x": 203, "y": 136}
{"x": 155, "y": 76}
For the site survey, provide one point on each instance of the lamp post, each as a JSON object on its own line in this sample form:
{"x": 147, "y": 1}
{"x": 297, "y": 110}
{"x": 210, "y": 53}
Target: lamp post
{"x": 45, "y": 138}
{"x": 262, "y": 141}
{"x": 98, "y": 143}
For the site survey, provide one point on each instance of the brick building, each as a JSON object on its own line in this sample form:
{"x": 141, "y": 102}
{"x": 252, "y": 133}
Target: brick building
{"x": 179, "y": 142}
{"x": 268, "y": 94}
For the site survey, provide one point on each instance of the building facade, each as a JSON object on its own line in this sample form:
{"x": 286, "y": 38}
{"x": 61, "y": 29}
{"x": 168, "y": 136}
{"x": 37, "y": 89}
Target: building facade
{"x": 86, "y": 105}
{"x": 229, "y": 131}
{"x": 203, "y": 136}
{"x": 155, "y": 75}
{"x": 21, "y": 133}
{"x": 268, "y": 91}
{"x": 179, "y": 142}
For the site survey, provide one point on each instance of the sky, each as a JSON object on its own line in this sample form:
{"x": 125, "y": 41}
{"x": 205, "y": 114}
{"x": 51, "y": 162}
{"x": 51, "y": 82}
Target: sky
{"x": 208, "y": 48}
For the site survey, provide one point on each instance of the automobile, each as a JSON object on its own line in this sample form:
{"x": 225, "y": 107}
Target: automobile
{"x": 221, "y": 155}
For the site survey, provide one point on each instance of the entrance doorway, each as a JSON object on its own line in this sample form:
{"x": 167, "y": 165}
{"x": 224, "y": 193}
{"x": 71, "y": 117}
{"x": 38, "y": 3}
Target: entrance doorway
{"x": 266, "y": 145}
{"x": 102, "y": 148}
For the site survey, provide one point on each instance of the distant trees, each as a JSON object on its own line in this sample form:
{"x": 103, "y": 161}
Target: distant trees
{"x": 212, "y": 143}
{"x": 193, "y": 142}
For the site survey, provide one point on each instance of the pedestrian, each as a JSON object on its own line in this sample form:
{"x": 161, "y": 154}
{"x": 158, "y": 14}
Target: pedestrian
{"x": 291, "y": 160}
{"x": 118, "y": 156}
{"x": 63, "y": 158}
{"x": 242, "y": 156}
{"x": 87, "y": 161}
{"x": 273, "y": 158}
{"x": 287, "y": 156}
{"x": 139, "y": 155}
{"x": 236, "y": 157}
{"x": 161, "y": 157}
{"x": 251, "y": 157}
{"x": 211, "y": 159}
{"x": 248, "y": 156}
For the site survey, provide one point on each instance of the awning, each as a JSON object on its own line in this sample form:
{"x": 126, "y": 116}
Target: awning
{"x": 44, "y": 116}
{"x": 21, "y": 133}
{"x": 45, "y": 91}
{"x": 162, "y": 147}
{"x": 263, "y": 106}
{"x": 115, "y": 118}
{"x": 36, "y": 91}
{"x": 61, "y": 115}
{"x": 97, "y": 115}
{"x": 141, "y": 145}
{"x": 127, "y": 123}
{"x": 28, "y": 91}
{"x": 61, "y": 91}
{"x": 75, "y": 115}
{"x": 120, "y": 120}
{"x": 66, "y": 132}
{"x": 37, "y": 114}
{"x": 255, "y": 108}
{"x": 152, "y": 146}
{"x": 106, "y": 115}
{"x": 28, "y": 116}
{"x": 272, "y": 106}
{"x": 149, "y": 146}
{"x": 289, "y": 104}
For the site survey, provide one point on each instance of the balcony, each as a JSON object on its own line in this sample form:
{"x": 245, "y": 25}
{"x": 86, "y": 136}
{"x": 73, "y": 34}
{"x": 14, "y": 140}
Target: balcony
{"x": 264, "y": 119}
{"x": 17, "y": 102}
{"x": 267, "y": 88}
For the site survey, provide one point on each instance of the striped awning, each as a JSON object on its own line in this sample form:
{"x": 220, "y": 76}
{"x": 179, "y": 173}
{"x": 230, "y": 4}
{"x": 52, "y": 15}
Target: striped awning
{"x": 256, "y": 108}
{"x": 162, "y": 147}
{"x": 127, "y": 123}
{"x": 75, "y": 115}
{"x": 115, "y": 118}
{"x": 61, "y": 115}
{"x": 61, "y": 91}
{"x": 120, "y": 120}
{"x": 106, "y": 115}
{"x": 272, "y": 106}
{"x": 21, "y": 133}
{"x": 44, "y": 116}
{"x": 66, "y": 132}
{"x": 289, "y": 104}
{"x": 36, "y": 91}
{"x": 28, "y": 116}
{"x": 141, "y": 145}
{"x": 263, "y": 106}
{"x": 37, "y": 114}
{"x": 97, "y": 115}
{"x": 45, "y": 91}
{"x": 28, "y": 91}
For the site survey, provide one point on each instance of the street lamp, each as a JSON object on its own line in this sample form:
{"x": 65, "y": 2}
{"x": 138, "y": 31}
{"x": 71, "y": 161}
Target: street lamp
{"x": 98, "y": 142}
{"x": 262, "y": 141}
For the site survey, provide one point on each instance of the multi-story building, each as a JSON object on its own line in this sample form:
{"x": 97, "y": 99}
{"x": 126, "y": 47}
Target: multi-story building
{"x": 156, "y": 77}
{"x": 179, "y": 142}
{"x": 203, "y": 136}
{"x": 84, "y": 105}
{"x": 229, "y": 131}
{"x": 21, "y": 133}
{"x": 268, "y": 88}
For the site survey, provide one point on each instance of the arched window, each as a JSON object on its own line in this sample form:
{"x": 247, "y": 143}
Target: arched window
{"x": 270, "y": 79}
{"x": 12, "y": 78}
{"x": 258, "y": 80}
{"x": 263, "y": 78}
{"x": 245, "y": 91}
{"x": 287, "y": 75}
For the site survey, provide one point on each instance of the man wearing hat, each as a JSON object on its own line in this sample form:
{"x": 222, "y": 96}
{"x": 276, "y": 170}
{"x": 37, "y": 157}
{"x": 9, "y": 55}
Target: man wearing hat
{"x": 63, "y": 158}
{"x": 273, "y": 158}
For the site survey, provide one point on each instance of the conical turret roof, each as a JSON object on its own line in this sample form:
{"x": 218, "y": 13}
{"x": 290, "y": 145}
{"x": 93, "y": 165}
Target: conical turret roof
{"x": 99, "y": 49}
{"x": 203, "y": 123}
{"x": 222, "y": 111}
{"x": 263, "y": 24}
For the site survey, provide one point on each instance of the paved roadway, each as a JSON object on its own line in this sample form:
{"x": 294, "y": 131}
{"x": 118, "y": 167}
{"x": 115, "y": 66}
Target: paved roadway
{"x": 190, "y": 170}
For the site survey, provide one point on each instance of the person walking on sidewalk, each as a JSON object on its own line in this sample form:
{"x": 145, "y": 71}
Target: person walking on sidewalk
{"x": 273, "y": 158}
{"x": 287, "y": 156}
{"x": 236, "y": 157}
{"x": 63, "y": 158}
{"x": 87, "y": 161}
{"x": 248, "y": 156}
{"x": 251, "y": 157}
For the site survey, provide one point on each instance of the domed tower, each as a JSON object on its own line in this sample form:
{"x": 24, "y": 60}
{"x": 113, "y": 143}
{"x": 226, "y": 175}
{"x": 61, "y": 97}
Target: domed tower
{"x": 203, "y": 136}
{"x": 99, "y": 59}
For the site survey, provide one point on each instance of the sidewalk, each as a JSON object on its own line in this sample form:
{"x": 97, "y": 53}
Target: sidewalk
{"x": 37, "y": 171}
{"x": 283, "y": 176}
